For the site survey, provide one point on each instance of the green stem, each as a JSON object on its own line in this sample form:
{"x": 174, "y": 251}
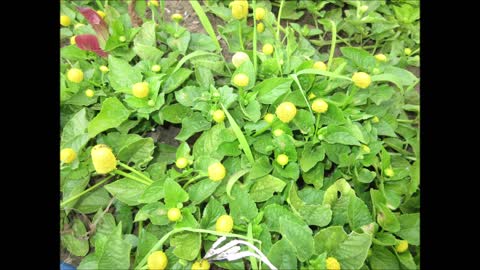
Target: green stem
{"x": 193, "y": 180}
{"x": 295, "y": 78}
{"x": 317, "y": 124}
{"x": 160, "y": 242}
{"x": 131, "y": 177}
{"x": 135, "y": 172}
{"x": 254, "y": 38}
{"x": 278, "y": 19}
{"x": 332, "y": 47}
{"x": 262, "y": 130}
{"x": 73, "y": 198}
{"x": 350, "y": 97}
{"x": 240, "y": 34}
{"x": 253, "y": 260}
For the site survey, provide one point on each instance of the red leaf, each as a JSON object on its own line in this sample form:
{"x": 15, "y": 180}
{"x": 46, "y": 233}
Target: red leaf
{"x": 89, "y": 43}
{"x": 98, "y": 24}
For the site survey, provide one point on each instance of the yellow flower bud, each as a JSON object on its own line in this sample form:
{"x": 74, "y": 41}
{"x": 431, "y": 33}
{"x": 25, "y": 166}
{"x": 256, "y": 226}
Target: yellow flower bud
{"x": 361, "y": 79}
{"x": 104, "y": 69}
{"x": 103, "y": 159}
{"x": 75, "y": 75}
{"x": 89, "y": 93}
{"x": 320, "y": 66}
{"x": 67, "y": 155}
{"x": 240, "y": 80}
{"x": 140, "y": 90}
{"x": 260, "y": 27}
{"x": 332, "y": 264}
{"x": 72, "y": 40}
{"x": 286, "y": 111}
{"x": 319, "y": 105}
{"x": 402, "y": 246}
{"x": 269, "y": 117}
{"x": 260, "y": 13}
{"x": 239, "y": 9}
{"x": 177, "y": 17}
{"x": 267, "y": 49}
{"x": 239, "y": 58}
{"x": 101, "y": 13}
{"x": 65, "y": 20}
{"x": 381, "y": 57}
{"x": 216, "y": 171}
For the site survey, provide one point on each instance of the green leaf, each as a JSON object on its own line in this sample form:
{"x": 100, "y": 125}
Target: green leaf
{"x": 384, "y": 239}
{"x": 74, "y": 133}
{"x": 406, "y": 260}
{"x": 242, "y": 206}
{"x": 93, "y": 201}
{"x": 352, "y": 252}
{"x": 188, "y": 95}
{"x": 358, "y": 213}
{"x": 304, "y": 121}
{"x": 116, "y": 252}
{"x": 146, "y": 241}
{"x": 156, "y": 212}
{"x": 342, "y": 186}
{"x": 380, "y": 94}
{"x": 227, "y": 97}
{"x": 212, "y": 211}
{"x": 72, "y": 52}
{"x": 174, "y": 193}
{"x": 387, "y": 219}
{"x": 260, "y": 168}
{"x": 122, "y": 76}
{"x": 253, "y": 111}
{"x": 148, "y": 53}
{"x": 187, "y": 245}
{"x": 318, "y": 215}
{"x": 366, "y": 176}
{"x": 328, "y": 239}
{"x": 202, "y": 190}
{"x": 311, "y": 155}
{"x": 179, "y": 43}
{"x": 273, "y": 213}
{"x": 315, "y": 176}
{"x": 382, "y": 258}
{"x": 139, "y": 152}
{"x": 410, "y": 228}
{"x": 264, "y": 187}
{"x": 88, "y": 262}
{"x": 281, "y": 255}
{"x": 74, "y": 241}
{"x": 360, "y": 58}
{"x": 339, "y": 134}
{"x": 191, "y": 125}
{"x": 146, "y": 35}
{"x": 300, "y": 237}
{"x": 153, "y": 193}
{"x": 176, "y": 79}
{"x": 112, "y": 114}
{"x": 271, "y": 89}
{"x": 127, "y": 190}
{"x": 201, "y": 42}
{"x": 175, "y": 113}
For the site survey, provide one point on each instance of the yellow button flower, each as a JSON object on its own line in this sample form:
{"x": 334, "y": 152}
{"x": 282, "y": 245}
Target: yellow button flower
{"x": 332, "y": 264}
{"x": 361, "y": 79}
{"x": 286, "y": 111}
{"x": 68, "y": 155}
{"x": 103, "y": 159}
{"x": 319, "y": 105}
{"x": 239, "y": 9}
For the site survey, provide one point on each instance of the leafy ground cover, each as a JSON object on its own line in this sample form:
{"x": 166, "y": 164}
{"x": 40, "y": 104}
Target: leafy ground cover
{"x": 293, "y": 125}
